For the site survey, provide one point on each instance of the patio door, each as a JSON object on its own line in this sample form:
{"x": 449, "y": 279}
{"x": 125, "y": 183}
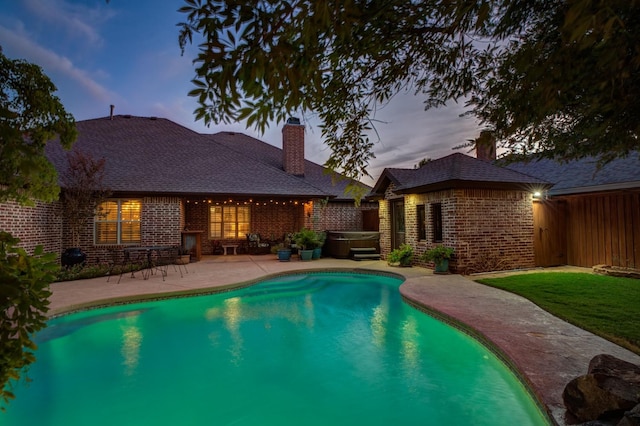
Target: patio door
{"x": 397, "y": 223}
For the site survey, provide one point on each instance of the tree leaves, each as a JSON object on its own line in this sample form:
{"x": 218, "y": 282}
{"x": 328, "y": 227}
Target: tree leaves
{"x": 24, "y": 293}
{"x": 551, "y": 77}
{"x": 30, "y": 116}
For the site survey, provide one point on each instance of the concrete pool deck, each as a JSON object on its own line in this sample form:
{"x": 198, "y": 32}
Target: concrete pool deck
{"x": 546, "y": 351}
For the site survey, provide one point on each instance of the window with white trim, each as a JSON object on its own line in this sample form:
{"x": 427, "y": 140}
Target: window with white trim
{"x": 229, "y": 222}
{"x": 118, "y": 222}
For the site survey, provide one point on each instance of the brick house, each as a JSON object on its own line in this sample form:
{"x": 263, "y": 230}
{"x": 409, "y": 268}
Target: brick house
{"x": 171, "y": 185}
{"x": 480, "y": 209}
{"x": 546, "y": 214}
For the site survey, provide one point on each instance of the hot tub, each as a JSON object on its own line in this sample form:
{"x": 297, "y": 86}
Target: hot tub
{"x": 340, "y": 243}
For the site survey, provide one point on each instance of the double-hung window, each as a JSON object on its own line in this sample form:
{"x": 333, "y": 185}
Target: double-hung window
{"x": 229, "y": 222}
{"x": 118, "y": 222}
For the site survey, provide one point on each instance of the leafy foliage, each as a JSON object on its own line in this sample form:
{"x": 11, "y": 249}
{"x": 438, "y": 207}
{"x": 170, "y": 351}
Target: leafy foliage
{"x": 24, "y": 292}
{"x": 437, "y": 254}
{"x": 30, "y": 116}
{"x": 402, "y": 255}
{"x": 552, "y": 77}
{"x": 307, "y": 239}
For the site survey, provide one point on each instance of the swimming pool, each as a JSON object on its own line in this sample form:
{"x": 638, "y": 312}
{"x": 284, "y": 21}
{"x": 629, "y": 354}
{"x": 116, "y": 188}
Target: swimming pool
{"x": 314, "y": 349}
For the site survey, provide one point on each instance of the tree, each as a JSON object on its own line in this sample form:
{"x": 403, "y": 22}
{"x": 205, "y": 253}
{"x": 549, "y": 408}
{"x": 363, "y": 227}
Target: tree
{"x": 30, "y": 116}
{"x": 554, "y": 78}
{"x": 83, "y": 190}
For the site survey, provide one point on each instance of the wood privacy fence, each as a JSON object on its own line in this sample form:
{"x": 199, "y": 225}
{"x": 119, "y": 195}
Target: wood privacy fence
{"x": 588, "y": 230}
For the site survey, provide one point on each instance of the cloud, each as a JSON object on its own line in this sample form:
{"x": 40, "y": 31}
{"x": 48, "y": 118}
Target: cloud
{"x": 51, "y": 62}
{"x": 79, "y": 21}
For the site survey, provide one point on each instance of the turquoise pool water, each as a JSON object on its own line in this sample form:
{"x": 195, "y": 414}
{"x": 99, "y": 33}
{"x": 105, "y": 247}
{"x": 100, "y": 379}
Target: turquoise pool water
{"x": 318, "y": 349}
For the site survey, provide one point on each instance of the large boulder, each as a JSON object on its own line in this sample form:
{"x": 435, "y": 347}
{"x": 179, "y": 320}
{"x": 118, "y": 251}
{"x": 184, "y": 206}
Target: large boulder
{"x": 631, "y": 418}
{"x": 610, "y": 388}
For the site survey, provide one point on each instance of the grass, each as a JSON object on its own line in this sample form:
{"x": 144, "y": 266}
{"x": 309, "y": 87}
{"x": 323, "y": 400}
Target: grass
{"x": 604, "y": 305}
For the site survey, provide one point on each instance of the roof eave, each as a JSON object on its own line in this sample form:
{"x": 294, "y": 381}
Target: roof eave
{"x": 468, "y": 184}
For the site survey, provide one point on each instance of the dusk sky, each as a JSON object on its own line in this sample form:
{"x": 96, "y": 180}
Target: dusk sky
{"x": 126, "y": 53}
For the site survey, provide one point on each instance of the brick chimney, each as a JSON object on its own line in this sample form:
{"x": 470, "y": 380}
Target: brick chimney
{"x": 293, "y": 147}
{"x": 486, "y": 146}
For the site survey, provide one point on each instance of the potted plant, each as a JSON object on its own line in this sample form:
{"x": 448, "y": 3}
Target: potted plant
{"x": 306, "y": 240}
{"x": 317, "y": 251}
{"x": 440, "y": 256}
{"x": 282, "y": 251}
{"x": 402, "y": 256}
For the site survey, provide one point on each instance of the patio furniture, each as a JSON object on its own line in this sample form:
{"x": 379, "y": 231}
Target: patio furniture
{"x": 256, "y": 245}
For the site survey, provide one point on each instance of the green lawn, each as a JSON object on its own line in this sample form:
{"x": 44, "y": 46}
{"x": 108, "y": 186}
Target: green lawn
{"x": 606, "y": 306}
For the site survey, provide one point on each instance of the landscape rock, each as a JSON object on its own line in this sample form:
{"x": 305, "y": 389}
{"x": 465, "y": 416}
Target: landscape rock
{"x": 610, "y": 388}
{"x": 631, "y": 418}
{"x": 617, "y": 271}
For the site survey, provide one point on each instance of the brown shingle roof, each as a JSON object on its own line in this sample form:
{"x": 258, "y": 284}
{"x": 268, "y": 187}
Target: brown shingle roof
{"x": 455, "y": 170}
{"x": 314, "y": 174}
{"x": 153, "y": 155}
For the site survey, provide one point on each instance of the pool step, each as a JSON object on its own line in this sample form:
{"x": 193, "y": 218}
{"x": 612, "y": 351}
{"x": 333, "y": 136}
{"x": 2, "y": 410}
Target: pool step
{"x": 364, "y": 253}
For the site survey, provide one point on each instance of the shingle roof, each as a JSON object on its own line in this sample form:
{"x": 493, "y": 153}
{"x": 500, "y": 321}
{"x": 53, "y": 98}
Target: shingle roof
{"x": 455, "y": 170}
{"x": 581, "y": 176}
{"x": 314, "y": 174}
{"x": 154, "y": 155}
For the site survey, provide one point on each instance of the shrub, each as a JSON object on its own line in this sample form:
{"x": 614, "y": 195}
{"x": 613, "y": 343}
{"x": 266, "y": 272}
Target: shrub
{"x": 437, "y": 254}
{"x": 402, "y": 255}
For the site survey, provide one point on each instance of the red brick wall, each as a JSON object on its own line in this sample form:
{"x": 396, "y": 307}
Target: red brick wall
{"x": 489, "y": 229}
{"x": 339, "y": 216}
{"x": 162, "y": 223}
{"x": 37, "y": 225}
{"x": 268, "y": 219}
{"x": 272, "y": 219}
{"x": 293, "y": 149}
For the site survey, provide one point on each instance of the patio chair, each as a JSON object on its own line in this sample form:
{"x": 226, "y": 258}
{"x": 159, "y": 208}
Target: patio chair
{"x": 253, "y": 243}
{"x": 256, "y": 245}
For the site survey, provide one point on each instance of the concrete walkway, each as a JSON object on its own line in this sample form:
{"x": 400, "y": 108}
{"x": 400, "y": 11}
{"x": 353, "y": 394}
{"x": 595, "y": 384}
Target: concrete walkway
{"x": 545, "y": 351}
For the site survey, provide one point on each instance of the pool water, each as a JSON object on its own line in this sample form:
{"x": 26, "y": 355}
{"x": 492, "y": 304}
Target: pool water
{"x": 317, "y": 349}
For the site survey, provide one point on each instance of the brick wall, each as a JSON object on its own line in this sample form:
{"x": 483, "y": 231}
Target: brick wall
{"x": 37, "y": 225}
{"x": 161, "y": 224}
{"x": 268, "y": 219}
{"x": 293, "y": 149}
{"x": 339, "y": 216}
{"x": 489, "y": 229}
{"x": 272, "y": 219}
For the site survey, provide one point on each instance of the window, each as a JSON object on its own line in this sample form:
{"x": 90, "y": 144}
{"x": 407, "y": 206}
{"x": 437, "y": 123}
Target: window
{"x": 436, "y": 221}
{"x": 422, "y": 222}
{"x": 118, "y": 222}
{"x": 229, "y": 222}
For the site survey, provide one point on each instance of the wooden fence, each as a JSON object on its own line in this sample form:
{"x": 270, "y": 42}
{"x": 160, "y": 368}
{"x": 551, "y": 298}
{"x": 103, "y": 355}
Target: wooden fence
{"x": 589, "y": 230}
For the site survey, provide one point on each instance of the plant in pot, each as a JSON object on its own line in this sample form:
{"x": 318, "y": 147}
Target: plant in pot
{"x": 306, "y": 240}
{"x": 82, "y": 194}
{"x": 402, "y": 256}
{"x": 283, "y": 251}
{"x": 317, "y": 251}
{"x": 440, "y": 256}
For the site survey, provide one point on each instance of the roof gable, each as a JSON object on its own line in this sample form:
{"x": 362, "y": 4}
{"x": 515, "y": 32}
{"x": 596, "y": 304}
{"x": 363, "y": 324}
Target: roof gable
{"x": 455, "y": 170}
